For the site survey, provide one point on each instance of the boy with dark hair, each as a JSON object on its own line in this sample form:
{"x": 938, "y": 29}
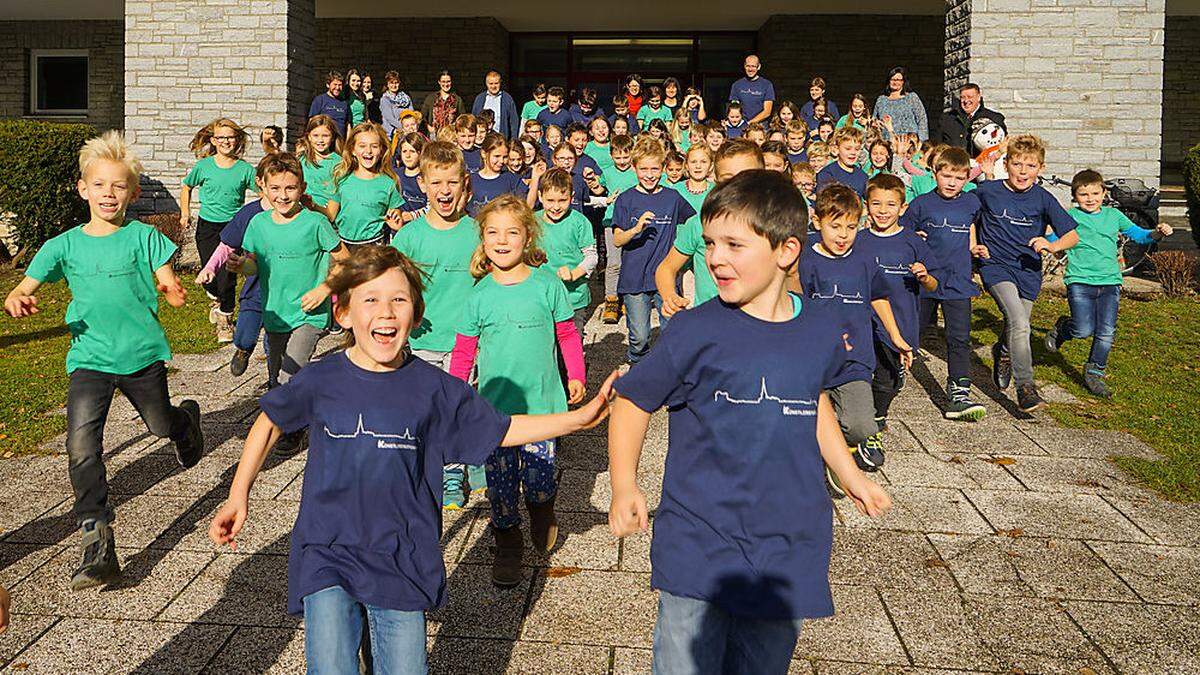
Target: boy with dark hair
{"x": 555, "y": 113}
{"x": 621, "y": 110}
{"x": 751, "y": 427}
{"x": 531, "y": 109}
{"x": 615, "y": 180}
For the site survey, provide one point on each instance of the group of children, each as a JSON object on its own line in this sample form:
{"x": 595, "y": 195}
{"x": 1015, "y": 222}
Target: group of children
{"x": 458, "y": 270}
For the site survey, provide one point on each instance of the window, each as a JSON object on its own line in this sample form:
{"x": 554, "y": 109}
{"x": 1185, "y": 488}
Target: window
{"x": 58, "y": 81}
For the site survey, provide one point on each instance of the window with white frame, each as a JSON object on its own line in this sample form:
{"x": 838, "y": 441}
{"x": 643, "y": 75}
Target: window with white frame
{"x": 58, "y": 81}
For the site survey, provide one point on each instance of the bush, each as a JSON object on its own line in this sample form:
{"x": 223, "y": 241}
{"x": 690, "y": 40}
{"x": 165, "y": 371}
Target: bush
{"x": 38, "y": 192}
{"x": 1176, "y": 272}
{"x": 168, "y": 224}
{"x": 1191, "y": 187}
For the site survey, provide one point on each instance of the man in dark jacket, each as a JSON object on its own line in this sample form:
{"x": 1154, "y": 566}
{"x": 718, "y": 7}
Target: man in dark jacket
{"x": 967, "y": 116}
{"x": 508, "y": 122}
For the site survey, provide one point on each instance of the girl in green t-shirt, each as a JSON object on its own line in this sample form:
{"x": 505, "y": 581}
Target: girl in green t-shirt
{"x": 517, "y": 320}
{"x": 366, "y": 203}
{"x": 320, "y": 152}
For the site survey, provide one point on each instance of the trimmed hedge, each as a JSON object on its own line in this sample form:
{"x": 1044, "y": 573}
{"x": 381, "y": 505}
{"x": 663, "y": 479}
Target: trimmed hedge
{"x": 39, "y": 170}
{"x": 1191, "y": 187}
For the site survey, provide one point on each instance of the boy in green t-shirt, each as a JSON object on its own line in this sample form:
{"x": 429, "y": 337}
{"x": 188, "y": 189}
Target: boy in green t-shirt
{"x": 1093, "y": 276}
{"x": 615, "y": 180}
{"x": 530, "y": 110}
{"x": 114, "y": 270}
{"x": 568, "y": 241}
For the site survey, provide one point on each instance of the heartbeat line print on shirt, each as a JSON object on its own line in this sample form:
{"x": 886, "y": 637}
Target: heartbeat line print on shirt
{"x": 892, "y": 269}
{"x": 1024, "y": 222}
{"x": 856, "y": 299}
{"x": 946, "y": 224}
{"x": 405, "y": 441}
{"x": 803, "y": 407}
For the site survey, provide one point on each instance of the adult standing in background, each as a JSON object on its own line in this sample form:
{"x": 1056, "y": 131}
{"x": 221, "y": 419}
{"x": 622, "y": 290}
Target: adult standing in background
{"x": 393, "y": 102}
{"x": 504, "y": 108}
{"x": 442, "y": 106}
{"x": 372, "y": 98}
{"x": 900, "y": 105}
{"x": 816, "y": 92}
{"x": 754, "y": 92}
{"x": 966, "y": 116}
{"x": 331, "y": 103}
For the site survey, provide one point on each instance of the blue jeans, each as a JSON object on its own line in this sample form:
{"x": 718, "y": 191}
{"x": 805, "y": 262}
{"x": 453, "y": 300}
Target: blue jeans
{"x": 530, "y": 465}
{"x": 333, "y": 633}
{"x": 694, "y": 637}
{"x": 1094, "y": 314}
{"x": 637, "y": 319}
{"x": 248, "y": 328}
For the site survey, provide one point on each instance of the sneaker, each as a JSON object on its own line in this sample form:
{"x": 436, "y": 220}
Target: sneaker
{"x": 99, "y": 565}
{"x": 832, "y": 484}
{"x": 1001, "y": 367}
{"x": 961, "y": 407}
{"x": 510, "y": 548}
{"x": 1093, "y": 379}
{"x": 869, "y": 454}
{"x": 214, "y": 311}
{"x": 1054, "y": 336}
{"x": 237, "y": 364}
{"x": 453, "y": 497}
{"x": 1028, "y": 398}
{"x": 612, "y": 310}
{"x": 543, "y": 526}
{"x": 289, "y": 445}
{"x": 188, "y": 450}
{"x": 477, "y": 478}
{"x": 224, "y": 329}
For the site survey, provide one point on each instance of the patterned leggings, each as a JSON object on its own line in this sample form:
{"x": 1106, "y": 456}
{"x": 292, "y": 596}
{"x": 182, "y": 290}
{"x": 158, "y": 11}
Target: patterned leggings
{"x": 531, "y": 465}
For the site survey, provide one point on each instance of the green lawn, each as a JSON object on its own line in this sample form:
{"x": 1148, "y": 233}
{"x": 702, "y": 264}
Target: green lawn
{"x": 1154, "y": 372}
{"x": 33, "y": 379}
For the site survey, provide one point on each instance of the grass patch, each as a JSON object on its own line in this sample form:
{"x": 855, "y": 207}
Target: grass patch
{"x": 33, "y": 350}
{"x": 1154, "y": 375}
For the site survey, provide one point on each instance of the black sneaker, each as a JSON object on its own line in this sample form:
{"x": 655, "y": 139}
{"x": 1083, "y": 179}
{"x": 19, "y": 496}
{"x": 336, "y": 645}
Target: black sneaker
{"x": 1054, "y": 338}
{"x": 869, "y": 454}
{"x": 100, "y": 565}
{"x": 1001, "y": 367}
{"x": 832, "y": 484}
{"x": 189, "y": 449}
{"x": 1028, "y": 398}
{"x": 1093, "y": 379}
{"x": 237, "y": 364}
{"x": 289, "y": 445}
{"x": 961, "y": 407}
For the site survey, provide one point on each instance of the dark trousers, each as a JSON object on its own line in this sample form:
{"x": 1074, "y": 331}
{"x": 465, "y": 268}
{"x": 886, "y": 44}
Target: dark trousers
{"x": 89, "y": 397}
{"x": 957, "y": 314}
{"x": 888, "y": 379}
{"x": 224, "y": 284}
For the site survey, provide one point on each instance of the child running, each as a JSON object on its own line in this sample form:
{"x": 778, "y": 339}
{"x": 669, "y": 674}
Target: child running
{"x": 367, "y": 203}
{"x": 750, "y": 428}
{"x": 568, "y": 240}
{"x": 222, "y": 179}
{"x": 320, "y": 154}
{"x": 493, "y": 179}
{"x": 698, "y": 165}
{"x": 517, "y": 319}
{"x": 615, "y": 180}
{"x": 115, "y": 270}
{"x": 364, "y": 549}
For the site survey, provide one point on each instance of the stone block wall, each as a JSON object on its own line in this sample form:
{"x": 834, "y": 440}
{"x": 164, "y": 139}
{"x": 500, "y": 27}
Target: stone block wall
{"x": 958, "y": 49}
{"x": 794, "y": 48}
{"x": 104, "y": 41}
{"x": 1085, "y": 77}
{"x": 1181, "y": 89}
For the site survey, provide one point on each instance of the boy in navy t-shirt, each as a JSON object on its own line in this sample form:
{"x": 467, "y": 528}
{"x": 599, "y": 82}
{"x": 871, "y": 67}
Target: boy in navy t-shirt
{"x": 644, "y": 221}
{"x": 464, "y": 135}
{"x": 742, "y": 537}
{"x": 1013, "y": 217}
{"x": 847, "y": 144}
{"x": 843, "y": 270}
{"x": 946, "y": 217}
{"x": 555, "y": 114}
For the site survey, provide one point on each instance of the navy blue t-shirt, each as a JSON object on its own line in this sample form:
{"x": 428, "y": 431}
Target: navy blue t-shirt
{"x": 631, "y": 119}
{"x": 578, "y": 116}
{"x": 796, "y": 157}
{"x": 371, "y": 504}
{"x": 854, "y": 280}
{"x": 473, "y": 159}
{"x": 232, "y": 235}
{"x": 743, "y": 443}
{"x": 1007, "y": 221}
{"x": 641, "y": 255}
{"x": 410, "y": 189}
{"x": 336, "y": 108}
{"x": 894, "y": 254}
{"x": 752, "y": 94}
{"x": 559, "y": 119}
{"x": 484, "y": 190}
{"x": 736, "y": 131}
{"x": 833, "y": 172}
{"x": 947, "y": 227}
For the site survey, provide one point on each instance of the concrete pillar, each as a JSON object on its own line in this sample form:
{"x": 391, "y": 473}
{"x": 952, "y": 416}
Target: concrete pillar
{"x": 1086, "y": 78}
{"x": 187, "y": 63}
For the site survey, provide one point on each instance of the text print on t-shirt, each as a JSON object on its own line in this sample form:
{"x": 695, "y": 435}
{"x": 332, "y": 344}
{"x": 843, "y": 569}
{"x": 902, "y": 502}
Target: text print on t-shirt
{"x": 856, "y": 299}
{"x": 946, "y": 224}
{"x": 404, "y": 441}
{"x": 797, "y": 406}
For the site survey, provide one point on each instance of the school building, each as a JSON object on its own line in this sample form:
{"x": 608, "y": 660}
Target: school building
{"x": 1111, "y": 84}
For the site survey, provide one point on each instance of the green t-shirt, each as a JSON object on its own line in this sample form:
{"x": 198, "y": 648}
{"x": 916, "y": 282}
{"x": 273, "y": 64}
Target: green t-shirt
{"x": 616, "y": 181}
{"x": 601, "y": 154}
{"x": 113, "y": 315}
{"x": 518, "y": 348}
{"x": 685, "y": 142}
{"x": 845, "y": 119}
{"x": 358, "y": 111}
{"x": 292, "y": 259}
{"x": 445, "y": 257}
{"x": 694, "y": 200}
{"x": 363, "y": 204}
{"x": 222, "y": 191}
{"x": 1093, "y": 260}
{"x": 646, "y": 114}
{"x": 531, "y": 109}
{"x": 563, "y": 243}
{"x": 319, "y": 178}
{"x": 689, "y": 240}
{"x": 926, "y": 183}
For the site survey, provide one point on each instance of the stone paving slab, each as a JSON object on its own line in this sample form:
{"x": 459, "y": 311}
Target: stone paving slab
{"x": 1075, "y": 516}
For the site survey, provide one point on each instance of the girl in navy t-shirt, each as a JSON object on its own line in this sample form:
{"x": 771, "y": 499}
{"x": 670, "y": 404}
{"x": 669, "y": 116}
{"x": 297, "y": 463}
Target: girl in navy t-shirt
{"x": 408, "y": 169}
{"x": 382, "y": 424}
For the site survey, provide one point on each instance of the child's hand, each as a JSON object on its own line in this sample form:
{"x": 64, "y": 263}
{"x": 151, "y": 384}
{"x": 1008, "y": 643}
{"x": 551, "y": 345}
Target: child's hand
{"x": 594, "y": 411}
{"x": 919, "y": 271}
{"x": 205, "y": 277}
{"x": 1040, "y": 245}
{"x": 565, "y": 273}
{"x": 627, "y": 512}
{"x": 19, "y": 306}
{"x": 173, "y": 292}
{"x": 1164, "y": 229}
{"x": 643, "y": 220}
{"x": 539, "y": 169}
{"x": 394, "y": 220}
{"x": 307, "y": 202}
{"x": 869, "y": 498}
{"x": 575, "y": 391}
{"x": 674, "y": 303}
{"x": 235, "y": 261}
{"x": 988, "y": 164}
{"x": 313, "y": 299}
{"x": 980, "y": 251}
{"x": 906, "y": 352}
{"x": 228, "y": 523}
{"x": 185, "y": 219}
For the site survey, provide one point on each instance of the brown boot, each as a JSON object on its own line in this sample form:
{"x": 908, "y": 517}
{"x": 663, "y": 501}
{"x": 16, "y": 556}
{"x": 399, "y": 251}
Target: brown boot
{"x": 224, "y": 328}
{"x": 543, "y": 527}
{"x": 510, "y": 547}
{"x": 612, "y": 310}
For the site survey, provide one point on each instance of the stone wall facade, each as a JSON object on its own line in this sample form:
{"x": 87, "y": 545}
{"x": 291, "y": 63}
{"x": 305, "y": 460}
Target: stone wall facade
{"x": 957, "y": 61}
{"x": 1086, "y": 78}
{"x": 793, "y": 50}
{"x": 1181, "y": 88}
{"x": 104, "y": 41}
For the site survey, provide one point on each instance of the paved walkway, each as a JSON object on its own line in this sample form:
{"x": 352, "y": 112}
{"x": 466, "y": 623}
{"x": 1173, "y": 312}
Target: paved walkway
{"x": 1014, "y": 546}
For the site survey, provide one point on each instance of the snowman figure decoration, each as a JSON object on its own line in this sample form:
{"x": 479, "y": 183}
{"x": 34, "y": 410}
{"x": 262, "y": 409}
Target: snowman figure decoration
{"x": 989, "y": 139}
